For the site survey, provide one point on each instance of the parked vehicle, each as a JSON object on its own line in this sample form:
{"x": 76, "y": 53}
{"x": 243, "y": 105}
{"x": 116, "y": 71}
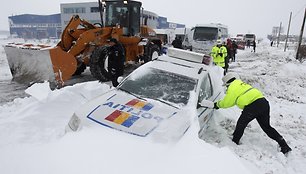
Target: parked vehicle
{"x": 166, "y": 35}
{"x": 159, "y": 94}
{"x": 203, "y": 37}
{"x": 84, "y": 44}
{"x": 240, "y": 42}
{"x": 169, "y": 34}
{"x": 250, "y": 38}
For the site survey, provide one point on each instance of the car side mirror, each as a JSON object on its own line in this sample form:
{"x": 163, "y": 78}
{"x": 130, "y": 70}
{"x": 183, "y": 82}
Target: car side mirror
{"x": 207, "y": 104}
{"x": 73, "y": 124}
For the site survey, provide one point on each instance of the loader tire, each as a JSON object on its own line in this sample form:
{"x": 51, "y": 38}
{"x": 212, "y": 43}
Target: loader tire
{"x": 154, "y": 52}
{"x": 98, "y": 63}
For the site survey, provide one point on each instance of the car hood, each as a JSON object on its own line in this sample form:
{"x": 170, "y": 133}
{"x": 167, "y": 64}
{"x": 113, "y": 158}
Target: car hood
{"x": 125, "y": 112}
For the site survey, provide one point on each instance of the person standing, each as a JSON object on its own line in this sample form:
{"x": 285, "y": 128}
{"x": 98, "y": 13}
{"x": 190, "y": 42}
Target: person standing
{"x": 254, "y": 106}
{"x": 229, "y": 46}
{"x": 219, "y": 53}
{"x": 177, "y": 42}
{"x": 248, "y": 43}
{"x": 227, "y": 57}
{"x": 254, "y": 45}
{"x": 116, "y": 59}
{"x": 235, "y": 47}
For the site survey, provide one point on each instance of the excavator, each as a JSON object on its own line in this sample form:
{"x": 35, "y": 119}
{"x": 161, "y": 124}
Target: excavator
{"x": 84, "y": 44}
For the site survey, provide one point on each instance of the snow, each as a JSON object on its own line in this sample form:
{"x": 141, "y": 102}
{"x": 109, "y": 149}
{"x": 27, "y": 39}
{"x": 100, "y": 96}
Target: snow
{"x": 33, "y": 138}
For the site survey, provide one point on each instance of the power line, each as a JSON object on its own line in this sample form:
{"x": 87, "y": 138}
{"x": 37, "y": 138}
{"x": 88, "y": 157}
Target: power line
{"x": 302, "y": 8}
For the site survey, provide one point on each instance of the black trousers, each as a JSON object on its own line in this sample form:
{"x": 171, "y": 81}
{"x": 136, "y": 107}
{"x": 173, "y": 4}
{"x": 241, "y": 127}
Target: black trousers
{"x": 234, "y": 57}
{"x": 114, "y": 77}
{"x": 225, "y": 70}
{"x": 259, "y": 110}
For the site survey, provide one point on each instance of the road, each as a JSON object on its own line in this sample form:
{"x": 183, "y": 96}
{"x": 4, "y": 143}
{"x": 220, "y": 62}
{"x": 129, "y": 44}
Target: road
{"x": 9, "y": 89}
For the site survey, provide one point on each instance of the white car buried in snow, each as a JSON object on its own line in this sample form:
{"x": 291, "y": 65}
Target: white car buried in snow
{"x": 157, "y": 99}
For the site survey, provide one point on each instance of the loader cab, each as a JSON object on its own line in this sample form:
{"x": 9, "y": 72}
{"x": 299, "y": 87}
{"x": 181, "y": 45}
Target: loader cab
{"x": 125, "y": 14}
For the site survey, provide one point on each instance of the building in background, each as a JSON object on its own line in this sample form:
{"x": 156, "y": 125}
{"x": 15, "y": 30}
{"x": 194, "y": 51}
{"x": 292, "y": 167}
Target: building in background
{"x": 90, "y": 12}
{"x": 51, "y": 26}
{"x": 35, "y": 26}
{"x": 87, "y": 10}
{"x": 278, "y": 34}
{"x": 149, "y": 18}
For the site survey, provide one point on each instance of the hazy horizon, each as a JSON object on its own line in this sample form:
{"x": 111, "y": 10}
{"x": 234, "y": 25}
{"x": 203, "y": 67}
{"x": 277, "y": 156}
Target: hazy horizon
{"x": 241, "y": 16}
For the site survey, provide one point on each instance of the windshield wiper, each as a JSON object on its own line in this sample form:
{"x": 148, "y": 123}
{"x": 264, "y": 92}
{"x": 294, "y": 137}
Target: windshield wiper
{"x": 131, "y": 93}
{"x": 167, "y": 103}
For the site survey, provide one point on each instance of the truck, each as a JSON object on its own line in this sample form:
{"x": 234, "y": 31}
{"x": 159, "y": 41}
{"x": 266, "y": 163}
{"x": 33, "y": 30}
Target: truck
{"x": 84, "y": 44}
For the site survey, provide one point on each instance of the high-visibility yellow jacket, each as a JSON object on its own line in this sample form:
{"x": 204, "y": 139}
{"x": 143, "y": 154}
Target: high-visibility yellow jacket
{"x": 240, "y": 94}
{"x": 219, "y": 60}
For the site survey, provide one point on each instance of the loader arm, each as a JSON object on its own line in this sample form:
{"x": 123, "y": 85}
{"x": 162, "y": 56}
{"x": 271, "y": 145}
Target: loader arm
{"x": 94, "y": 37}
{"x": 75, "y": 27}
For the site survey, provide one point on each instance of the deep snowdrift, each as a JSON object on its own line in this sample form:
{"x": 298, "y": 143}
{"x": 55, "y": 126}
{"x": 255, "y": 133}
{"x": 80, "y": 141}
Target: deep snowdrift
{"x": 33, "y": 139}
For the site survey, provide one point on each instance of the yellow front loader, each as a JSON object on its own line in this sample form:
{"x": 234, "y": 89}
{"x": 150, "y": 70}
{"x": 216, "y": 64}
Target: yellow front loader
{"x": 85, "y": 45}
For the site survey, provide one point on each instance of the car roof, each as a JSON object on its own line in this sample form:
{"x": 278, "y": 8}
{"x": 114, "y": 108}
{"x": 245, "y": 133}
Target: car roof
{"x": 182, "y": 62}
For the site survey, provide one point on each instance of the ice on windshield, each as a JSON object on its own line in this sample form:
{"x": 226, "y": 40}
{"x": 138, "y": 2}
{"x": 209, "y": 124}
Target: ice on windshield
{"x": 162, "y": 85}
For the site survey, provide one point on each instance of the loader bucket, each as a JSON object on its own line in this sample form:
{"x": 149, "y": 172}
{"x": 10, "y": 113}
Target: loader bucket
{"x": 30, "y": 63}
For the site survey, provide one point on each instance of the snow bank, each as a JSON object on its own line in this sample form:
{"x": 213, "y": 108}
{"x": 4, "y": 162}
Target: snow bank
{"x": 33, "y": 140}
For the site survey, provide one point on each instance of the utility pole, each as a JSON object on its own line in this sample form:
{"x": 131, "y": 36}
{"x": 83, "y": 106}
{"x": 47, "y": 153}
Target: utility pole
{"x": 301, "y": 36}
{"x": 288, "y": 32}
{"x": 280, "y": 27}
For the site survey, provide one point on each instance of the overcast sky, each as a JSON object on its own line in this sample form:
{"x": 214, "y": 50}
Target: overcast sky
{"x": 241, "y": 16}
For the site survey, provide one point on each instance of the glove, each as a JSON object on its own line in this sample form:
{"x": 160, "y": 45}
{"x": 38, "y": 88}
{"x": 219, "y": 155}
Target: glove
{"x": 216, "y": 106}
{"x": 220, "y": 54}
{"x": 207, "y": 104}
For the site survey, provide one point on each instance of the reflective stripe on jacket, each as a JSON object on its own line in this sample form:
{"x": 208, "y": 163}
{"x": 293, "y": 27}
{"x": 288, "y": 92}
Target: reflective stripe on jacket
{"x": 240, "y": 94}
{"x": 219, "y": 60}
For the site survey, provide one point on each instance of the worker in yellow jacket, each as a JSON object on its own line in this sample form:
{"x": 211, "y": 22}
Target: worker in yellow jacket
{"x": 219, "y": 54}
{"x": 253, "y": 105}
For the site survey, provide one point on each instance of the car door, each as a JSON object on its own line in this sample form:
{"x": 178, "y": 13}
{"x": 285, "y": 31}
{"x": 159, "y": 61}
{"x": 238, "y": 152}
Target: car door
{"x": 206, "y": 92}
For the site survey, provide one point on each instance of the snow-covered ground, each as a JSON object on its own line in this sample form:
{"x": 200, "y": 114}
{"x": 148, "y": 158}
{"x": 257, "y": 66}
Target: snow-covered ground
{"x": 33, "y": 138}
{"x": 283, "y": 81}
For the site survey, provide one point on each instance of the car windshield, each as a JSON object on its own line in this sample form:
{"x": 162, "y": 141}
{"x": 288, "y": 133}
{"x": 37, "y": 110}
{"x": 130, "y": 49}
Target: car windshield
{"x": 160, "y": 85}
{"x": 249, "y": 36}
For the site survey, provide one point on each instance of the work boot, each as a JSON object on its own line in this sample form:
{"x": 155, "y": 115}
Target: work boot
{"x": 285, "y": 149}
{"x": 284, "y": 146}
{"x": 236, "y": 141}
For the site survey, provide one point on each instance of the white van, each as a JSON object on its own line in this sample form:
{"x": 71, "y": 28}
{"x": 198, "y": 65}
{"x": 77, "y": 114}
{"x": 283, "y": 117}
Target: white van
{"x": 250, "y": 38}
{"x": 203, "y": 37}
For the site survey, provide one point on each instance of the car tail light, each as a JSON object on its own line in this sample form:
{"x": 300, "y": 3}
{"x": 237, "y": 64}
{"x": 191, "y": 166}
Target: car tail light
{"x": 206, "y": 59}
